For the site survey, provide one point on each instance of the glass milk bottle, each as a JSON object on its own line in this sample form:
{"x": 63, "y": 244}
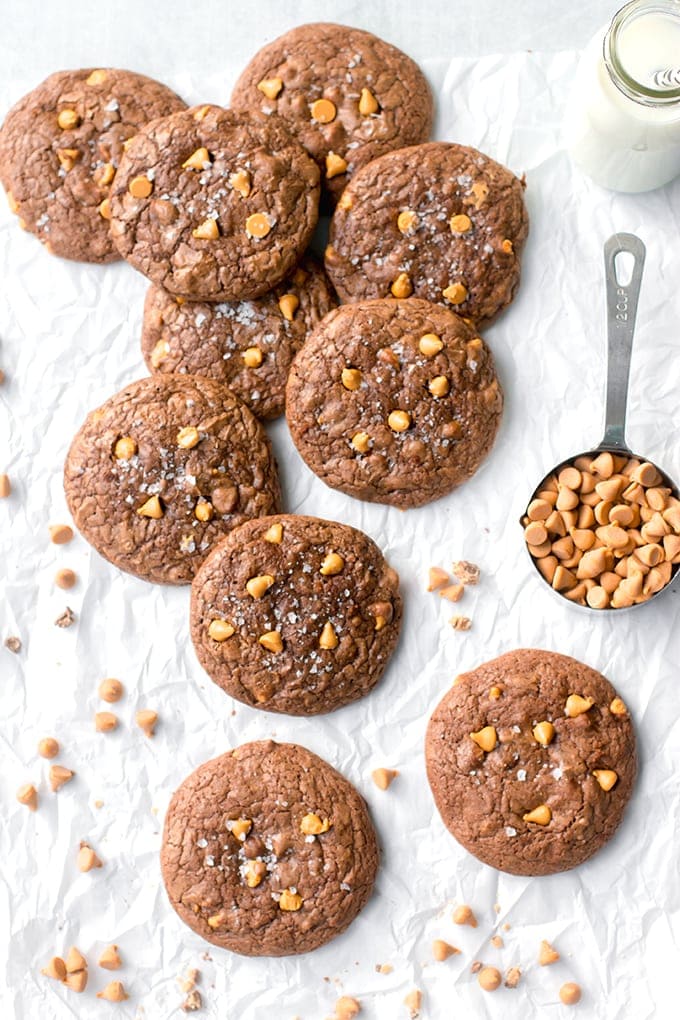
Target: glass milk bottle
{"x": 622, "y": 123}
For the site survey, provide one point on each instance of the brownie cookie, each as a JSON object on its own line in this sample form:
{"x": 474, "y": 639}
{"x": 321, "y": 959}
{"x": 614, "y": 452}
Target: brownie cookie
{"x": 295, "y": 614}
{"x": 393, "y": 401}
{"x": 60, "y": 147}
{"x": 214, "y": 205}
{"x": 439, "y": 221}
{"x": 345, "y": 94}
{"x": 163, "y": 470}
{"x": 531, "y": 759}
{"x": 268, "y": 851}
{"x": 248, "y": 345}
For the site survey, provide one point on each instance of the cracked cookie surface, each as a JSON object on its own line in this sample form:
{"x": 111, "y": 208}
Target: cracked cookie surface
{"x": 163, "y": 470}
{"x": 268, "y": 851}
{"x": 531, "y": 759}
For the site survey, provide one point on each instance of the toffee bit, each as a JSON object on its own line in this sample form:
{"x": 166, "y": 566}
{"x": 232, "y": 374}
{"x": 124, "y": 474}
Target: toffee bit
{"x": 67, "y": 618}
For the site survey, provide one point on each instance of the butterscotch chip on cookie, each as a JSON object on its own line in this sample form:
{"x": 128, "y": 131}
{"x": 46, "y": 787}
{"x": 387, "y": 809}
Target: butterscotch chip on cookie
{"x": 214, "y": 205}
{"x": 248, "y": 345}
{"x": 532, "y": 782}
{"x": 60, "y": 147}
{"x": 295, "y": 614}
{"x": 439, "y": 221}
{"x": 393, "y": 401}
{"x": 242, "y": 866}
{"x": 346, "y": 95}
{"x": 165, "y": 468}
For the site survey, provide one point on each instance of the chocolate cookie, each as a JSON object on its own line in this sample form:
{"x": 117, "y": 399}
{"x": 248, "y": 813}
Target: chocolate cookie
{"x": 345, "y": 94}
{"x": 531, "y": 759}
{"x": 268, "y": 851}
{"x": 60, "y": 147}
{"x": 438, "y": 221}
{"x": 393, "y": 401}
{"x": 214, "y": 205}
{"x": 248, "y": 345}
{"x": 295, "y": 614}
{"x": 163, "y": 470}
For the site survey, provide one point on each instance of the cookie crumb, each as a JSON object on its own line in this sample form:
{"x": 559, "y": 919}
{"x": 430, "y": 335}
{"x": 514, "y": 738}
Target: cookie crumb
{"x": 476, "y": 966}
{"x": 512, "y": 977}
{"x": 67, "y": 618}
{"x": 497, "y": 941}
{"x": 346, "y": 1008}
{"x": 460, "y": 622}
{"x": 384, "y": 968}
{"x": 193, "y": 1001}
{"x": 13, "y": 644}
{"x": 466, "y": 572}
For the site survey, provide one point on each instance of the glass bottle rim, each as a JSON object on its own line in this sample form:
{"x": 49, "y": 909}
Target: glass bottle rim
{"x": 625, "y": 82}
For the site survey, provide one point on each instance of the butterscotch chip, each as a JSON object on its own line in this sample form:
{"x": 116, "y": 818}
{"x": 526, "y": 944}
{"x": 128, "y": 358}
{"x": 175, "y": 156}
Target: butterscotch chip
{"x": 105, "y": 722}
{"x": 436, "y": 578}
{"x": 547, "y": 955}
{"x": 198, "y": 160}
{"x": 570, "y": 993}
{"x": 140, "y": 186}
{"x": 28, "y": 796}
{"x": 407, "y": 220}
{"x": 351, "y": 378}
{"x": 442, "y": 950}
{"x": 289, "y": 304}
{"x": 240, "y": 182}
{"x": 430, "y": 344}
{"x": 346, "y": 1008}
{"x": 489, "y": 979}
{"x": 59, "y": 776}
{"x": 460, "y": 224}
{"x": 110, "y": 958}
{"x": 271, "y": 641}
{"x": 270, "y": 87}
{"x": 335, "y": 165}
{"x": 439, "y": 386}
{"x": 152, "y": 508}
{"x": 56, "y": 968}
{"x": 147, "y": 720}
{"x": 401, "y": 287}
{"x": 486, "y": 738}
{"x": 399, "y": 421}
{"x": 512, "y": 977}
{"x": 111, "y": 690}
{"x": 48, "y": 747}
{"x": 323, "y": 111}
{"x": 113, "y": 992}
{"x": 125, "y": 448}
{"x": 383, "y": 778}
{"x": 65, "y": 579}
{"x": 87, "y": 858}
{"x": 60, "y": 534}
{"x": 208, "y": 230}
{"x": 464, "y": 915}
{"x": 77, "y": 981}
{"x": 258, "y": 225}
{"x": 252, "y": 357}
{"x": 5, "y": 486}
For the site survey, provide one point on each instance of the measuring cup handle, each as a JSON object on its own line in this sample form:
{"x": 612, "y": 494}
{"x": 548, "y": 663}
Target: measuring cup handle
{"x": 622, "y": 302}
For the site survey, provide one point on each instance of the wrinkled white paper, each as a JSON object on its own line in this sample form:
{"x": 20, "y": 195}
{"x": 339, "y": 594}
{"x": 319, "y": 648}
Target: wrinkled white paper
{"x": 69, "y": 338}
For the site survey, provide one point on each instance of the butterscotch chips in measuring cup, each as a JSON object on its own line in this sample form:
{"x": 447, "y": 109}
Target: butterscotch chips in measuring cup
{"x": 604, "y": 531}
{"x": 417, "y": 443}
{"x": 295, "y": 614}
{"x": 535, "y": 780}
{"x": 345, "y": 94}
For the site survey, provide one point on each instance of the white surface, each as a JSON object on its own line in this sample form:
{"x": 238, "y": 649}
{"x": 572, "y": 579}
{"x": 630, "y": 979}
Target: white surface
{"x": 69, "y": 338}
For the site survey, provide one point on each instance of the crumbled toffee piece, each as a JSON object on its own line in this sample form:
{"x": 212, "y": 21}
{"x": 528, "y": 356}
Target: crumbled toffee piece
{"x": 66, "y": 618}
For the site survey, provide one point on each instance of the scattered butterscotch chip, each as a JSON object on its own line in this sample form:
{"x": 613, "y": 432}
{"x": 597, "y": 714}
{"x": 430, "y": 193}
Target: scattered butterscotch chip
{"x": 540, "y": 815}
{"x": 290, "y": 900}
{"x": 452, "y": 592}
{"x": 439, "y": 386}
{"x": 442, "y": 950}
{"x": 5, "y": 486}
{"x": 547, "y": 955}
{"x": 254, "y": 872}
{"x": 198, "y": 160}
{"x": 140, "y": 186}
{"x": 152, "y": 508}
{"x": 77, "y": 981}
{"x": 576, "y": 705}
{"x": 489, "y": 979}
{"x": 274, "y": 534}
{"x": 464, "y": 915}
{"x": 104, "y": 209}
{"x": 110, "y": 690}
{"x": 331, "y": 565}
{"x": 543, "y": 733}
{"x": 495, "y": 692}
{"x": 346, "y": 1008}
{"x": 60, "y": 534}
{"x": 207, "y": 230}
{"x": 570, "y": 993}
{"x": 68, "y": 119}
{"x": 430, "y": 344}
{"x": 618, "y": 707}
{"x": 361, "y": 442}
{"x": 328, "y": 639}
{"x": 56, "y": 969}
{"x": 399, "y": 421}
{"x": 188, "y": 437}
{"x": 383, "y": 778}
{"x": 436, "y": 578}
{"x": 87, "y": 858}
{"x": 257, "y": 586}
{"x": 335, "y": 165}
{"x": 113, "y": 992}
{"x": 460, "y": 224}
{"x": 368, "y": 104}
{"x": 407, "y": 221}
{"x": 413, "y": 1001}
{"x": 110, "y": 958}
{"x": 147, "y": 721}
{"x": 220, "y": 630}
{"x": 193, "y": 1002}
{"x": 239, "y": 828}
{"x": 313, "y": 825}
{"x": 75, "y": 961}
{"x": 289, "y": 304}
{"x": 28, "y": 796}
{"x": 258, "y": 225}
{"x": 461, "y": 622}
{"x": 65, "y": 619}
{"x": 512, "y": 977}
{"x": 252, "y": 357}
{"x": 466, "y": 572}
{"x": 272, "y": 641}
{"x": 401, "y": 287}
{"x": 48, "y": 747}
{"x": 606, "y": 778}
{"x": 65, "y": 578}
{"x": 59, "y": 775}
{"x": 496, "y": 941}
{"x": 105, "y": 722}
{"x": 270, "y": 87}
{"x": 351, "y": 378}
{"x": 323, "y": 111}
{"x": 455, "y": 293}
{"x": 13, "y": 644}
{"x": 125, "y": 448}
{"x": 485, "y": 738}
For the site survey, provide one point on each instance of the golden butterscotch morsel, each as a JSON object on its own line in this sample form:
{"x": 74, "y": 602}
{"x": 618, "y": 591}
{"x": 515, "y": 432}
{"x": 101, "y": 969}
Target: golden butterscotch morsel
{"x": 407, "y": 221}
{"x": 77, "y": 981}
{"x": 5, "y": 486}
{"x": 140, "y": 186}
{"x": 75, "y": 961}
{"x": 113, "y": 992}
{"x": 436, "y": 578}
{"x": 313, "y": 825}
{"x": 577, "y": 705}
{"x": 345, "y": 201}
{"x": 323, "y": 111}
{"x": 239, "y": 180}
{"x": 383, "y": 778}
{"x": 258, "y": 225}
{"x": 413, "y": 1001}
{"x": 361, "y": 442}
{"x": 48, "y": 747}
{"x": 104, "y": 174}
{"x": 216, "y": 920}
{"x": 68, "y": 119}
{"x": 543, "y": 733}
{"x": 111, "y": 690}
{"x": 535, "y": 533}
{"x": 87, "y": 859}
{"x": 188, "y": 437}
{"x": 68, "y": 158}
{"x": 125, "y": 448}
{"x": 152, "y": 508}
{"x": 486, "y": 738}
{"x": 110, "y": 958}
{"x": 442, "y": 950}
{"x": 495, "y": 692}
{"x": 455, "y": 293}
{"x": 258, "y": 586}
{"x": 97, "y": 77}
{"x": 252, "y": 357}
{"x": 204, "y": 511}
{"x": 569, "y": 477}
{"x": 105, "y": 722}
{"x": 539, "y": 510}
{"x": 60, "y": 534}
{"x": 239, "y": 828}
{"x": 548, "y": 567}
{"x": 547, "y": 955}
{"x": 570, "y": 993}
{"x": 270, "y": 87}
{"x": 368, "y": 104}
{"x": 147, "y": 720}
{"x": 346, "y": 1008}
{"x": 540, "y": 815}
{"x": 464, "y": 915}
{"x": 430, "y": 344}
{"x": 351, "y": 378}
{"x": 253, "y": 873}
{"x": 401, "y": 287}
{"x": 460, "y": 224}
{"x": 606, "y": 778}
{"x": 399, "y": 421}
{"x": 271, "y": 641}
{"x": 618, "y": 707}
{"x": 332, "y": 564}
{"x": 208, "y": 230}
{"x": 59, "y": 776}
{"x": 274, "y": 533}
{"x": 598, "y": 597}
{"x": 489, "y": 979}
{"x": 290, "y": 899}
{"x": 452, "y": 592}
{"x": 289, "y": 304}
{"x": 28, "y": 796}
{"x": 56, "y": 968}
{"x": 220, "y": 630}
{"x": 439, "y": 386}
{"x": 507, "y": 249}
{"x": 602, "y": 465}
{"x": 198, "y": 160}
{"x": 328, "y": 639}
{"x": 335, "y": 165}
{"x": 65, "y": 578}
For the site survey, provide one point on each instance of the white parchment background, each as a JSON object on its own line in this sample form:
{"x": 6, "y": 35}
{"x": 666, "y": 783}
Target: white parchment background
{"x": 69, "y": 339}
